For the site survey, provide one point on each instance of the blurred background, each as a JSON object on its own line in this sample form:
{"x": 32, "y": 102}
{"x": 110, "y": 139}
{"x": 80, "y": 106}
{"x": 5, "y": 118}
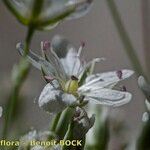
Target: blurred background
{"x": 98, "y": 31}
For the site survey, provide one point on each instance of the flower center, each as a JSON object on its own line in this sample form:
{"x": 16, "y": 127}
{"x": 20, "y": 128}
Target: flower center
{"x": 71, "y": 86}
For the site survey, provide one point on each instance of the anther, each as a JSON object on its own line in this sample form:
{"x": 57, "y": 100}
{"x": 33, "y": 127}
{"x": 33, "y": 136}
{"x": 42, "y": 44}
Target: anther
{"x": 74, "y": 78}
{"x": 119, "y": 74}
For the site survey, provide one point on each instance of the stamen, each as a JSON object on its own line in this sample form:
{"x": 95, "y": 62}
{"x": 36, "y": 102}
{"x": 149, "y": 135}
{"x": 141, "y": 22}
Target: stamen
{"x": 51, "y": 80}
{"x": 82, "y": 43}
{"x": 45, "y": 45}
{"x": 81, "y": 48}
{"x": 123, "y": 88}
{"x": 78, "y": 57}
{"x": 59, "y": 67}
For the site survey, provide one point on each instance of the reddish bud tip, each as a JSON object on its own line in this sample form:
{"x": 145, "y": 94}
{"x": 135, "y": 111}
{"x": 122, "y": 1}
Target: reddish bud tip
{"x": 45, "y": 45}
{"x": 48, "y": 78}
{"x": 82, "y": 43}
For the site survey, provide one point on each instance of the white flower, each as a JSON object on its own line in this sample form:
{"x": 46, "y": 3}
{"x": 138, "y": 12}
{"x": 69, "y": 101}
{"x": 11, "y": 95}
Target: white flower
{"x": 34, "y": 136}
{"x": 1, "y": 111}
{"x": 71, "y": 79}
{"x": 47, "y": 13}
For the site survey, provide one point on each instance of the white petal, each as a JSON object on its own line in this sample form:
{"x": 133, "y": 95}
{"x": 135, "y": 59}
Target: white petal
{"x": 54, "y": 100}
{"x": 107, "y": 79}
{"x": 108, "y": 97}
{"x": 81, "y": 10}
{"x": 48, "y": 99}
{"x": 67, "y": 54}
{"x": 71, "y": 63}
{"x": 88, "y": 68}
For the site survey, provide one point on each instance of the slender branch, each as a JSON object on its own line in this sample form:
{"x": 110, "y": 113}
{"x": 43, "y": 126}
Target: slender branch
{"x": 146, "y": 32}
{"x": 143, "y": 140}
{"x": 21, "y": 73}
{"x": 55, "y": 122}
{"x": 131, "y": 52}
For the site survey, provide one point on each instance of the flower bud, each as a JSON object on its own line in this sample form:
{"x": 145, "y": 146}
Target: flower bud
{"x": 145, "y": 87}
{"x": 1, "y": 111}
{"x": 46, "y": 14}
{"x": 82, "y": 123}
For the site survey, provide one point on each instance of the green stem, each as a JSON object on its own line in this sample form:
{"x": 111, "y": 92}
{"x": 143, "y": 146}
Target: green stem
{"x": 14, "y": 95}
{"x": 54, "y": 122}
{"x": 125, "y": 38}
{"x": 143, "y": 140}
{"x": 145, "y": 6}
{"x": 69, "y": 136}
{"x": 63, "y": 122}
{"x": 21, "y": 74}
{"x": 28, "y": 39}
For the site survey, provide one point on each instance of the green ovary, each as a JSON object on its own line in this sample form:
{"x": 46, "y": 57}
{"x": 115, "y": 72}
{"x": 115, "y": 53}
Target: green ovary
{"x": 71, "y": 87}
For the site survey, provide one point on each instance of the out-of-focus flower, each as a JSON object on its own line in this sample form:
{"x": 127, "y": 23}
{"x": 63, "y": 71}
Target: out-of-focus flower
{"x": 145, "y": 87}
{"x": 146, "y": 115}
{"x": 98, "y": 136}
{"x": 147, "y": 103}
{"x": 46, "y": 14}
{"x": 71, "y": 79}
{"x": 38, "y": 147}
{"x": 34, "y": 136}
{"x": 1, "y": 111}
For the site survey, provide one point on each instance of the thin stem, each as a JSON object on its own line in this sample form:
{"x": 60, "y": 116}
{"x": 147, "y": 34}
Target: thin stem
{"x": 69, "y": 136}
{"x": 54, "y": 122}
{"x": 145, "y": 5}
{"x": 125, "y": 38}
{"x": 143, "y": 140}
{"x": 22, "y": 72}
